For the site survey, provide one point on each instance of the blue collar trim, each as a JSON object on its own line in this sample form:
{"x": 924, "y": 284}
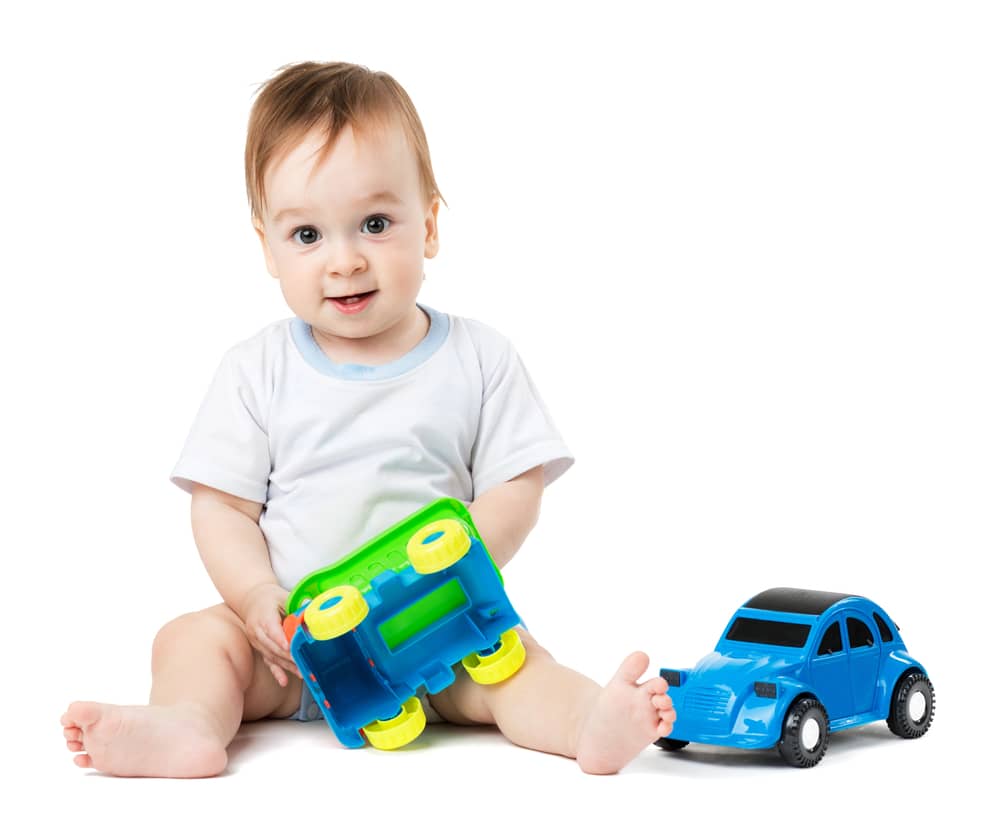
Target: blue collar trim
{"x": 314, "y": 355}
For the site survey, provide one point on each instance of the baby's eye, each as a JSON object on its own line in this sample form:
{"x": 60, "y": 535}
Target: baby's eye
{"x": 309, "y": 235}
{"x": 376, "y": 225}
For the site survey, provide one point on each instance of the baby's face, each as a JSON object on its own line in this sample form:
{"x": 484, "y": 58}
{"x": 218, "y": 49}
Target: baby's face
{"x": 347, "y": 239}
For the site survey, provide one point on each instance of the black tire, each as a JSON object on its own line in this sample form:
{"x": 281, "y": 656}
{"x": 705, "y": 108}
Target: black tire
{"x": 670, "y": 745}
{"x": 805, "y": 734}
{"x": 901, "y": 720}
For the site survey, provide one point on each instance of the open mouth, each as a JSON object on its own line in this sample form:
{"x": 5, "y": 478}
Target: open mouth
{"x": 354, "y": 303}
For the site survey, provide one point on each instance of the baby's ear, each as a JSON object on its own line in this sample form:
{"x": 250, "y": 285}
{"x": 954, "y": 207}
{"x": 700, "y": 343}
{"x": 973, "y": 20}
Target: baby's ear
{"x": 268, "y": 258}
{"x": 431, "y": 242}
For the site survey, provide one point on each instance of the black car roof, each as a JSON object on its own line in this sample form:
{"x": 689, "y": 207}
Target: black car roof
{"x": 795, "y": 600}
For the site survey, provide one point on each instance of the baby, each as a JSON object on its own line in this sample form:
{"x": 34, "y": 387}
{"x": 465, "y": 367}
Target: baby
{"x": 326, "y": 428}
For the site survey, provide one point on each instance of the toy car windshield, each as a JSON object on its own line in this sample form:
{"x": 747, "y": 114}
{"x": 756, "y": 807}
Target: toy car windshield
{"x": 768, "y": 632}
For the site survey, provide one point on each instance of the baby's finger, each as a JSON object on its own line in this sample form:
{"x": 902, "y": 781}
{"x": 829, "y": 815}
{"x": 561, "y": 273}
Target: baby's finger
{"x": 288, "y": 665}
{"x": 278, "y": 674}
{"x": 277, "y": 634}
{"x": 271, "y": 659}
{"x": 272, "y": 631}
{"x": 281, "y": 658}
{"x": 266, "y": 644}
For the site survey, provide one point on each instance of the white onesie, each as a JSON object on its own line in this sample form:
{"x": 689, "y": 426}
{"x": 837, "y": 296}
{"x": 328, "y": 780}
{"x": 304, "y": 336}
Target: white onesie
{"x": 338, "y": 453}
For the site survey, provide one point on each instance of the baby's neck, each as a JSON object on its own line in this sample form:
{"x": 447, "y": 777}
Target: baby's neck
{"x": 380, "y": 349}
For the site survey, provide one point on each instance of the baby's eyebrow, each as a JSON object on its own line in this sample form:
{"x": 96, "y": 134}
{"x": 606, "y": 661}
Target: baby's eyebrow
{"x": 381, "y": 196}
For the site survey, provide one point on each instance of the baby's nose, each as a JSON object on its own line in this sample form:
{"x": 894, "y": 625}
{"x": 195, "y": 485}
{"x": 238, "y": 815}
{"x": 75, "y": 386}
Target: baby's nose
{"x": 344, "y": 259}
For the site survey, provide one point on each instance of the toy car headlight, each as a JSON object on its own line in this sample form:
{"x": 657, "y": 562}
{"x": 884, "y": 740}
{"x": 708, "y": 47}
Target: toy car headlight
{"x": 674, "y": 678}
{"x": 767, "y": 690}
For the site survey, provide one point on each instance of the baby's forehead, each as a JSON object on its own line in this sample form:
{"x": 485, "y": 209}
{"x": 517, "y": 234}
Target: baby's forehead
{"x": 370, "y": 159}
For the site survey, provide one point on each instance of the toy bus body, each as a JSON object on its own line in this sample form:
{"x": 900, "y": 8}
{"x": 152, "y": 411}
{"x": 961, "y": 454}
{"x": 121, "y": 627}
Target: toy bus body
{"x": 417, "y": 627}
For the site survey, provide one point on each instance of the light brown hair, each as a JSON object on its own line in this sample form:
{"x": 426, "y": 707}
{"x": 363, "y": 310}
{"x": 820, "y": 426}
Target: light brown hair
{"x": 304, "y": 95}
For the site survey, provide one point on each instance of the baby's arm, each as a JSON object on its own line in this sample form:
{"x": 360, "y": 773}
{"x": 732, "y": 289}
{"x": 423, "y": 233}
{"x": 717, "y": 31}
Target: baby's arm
{"x": 234, "y": 551}
{"x": 505, "y": 514}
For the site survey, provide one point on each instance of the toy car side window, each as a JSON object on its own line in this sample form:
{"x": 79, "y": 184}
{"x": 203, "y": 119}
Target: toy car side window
{"x": 859, "y": 634}
{"x": 831, "y": 641}
{"x": 883, "y": 628}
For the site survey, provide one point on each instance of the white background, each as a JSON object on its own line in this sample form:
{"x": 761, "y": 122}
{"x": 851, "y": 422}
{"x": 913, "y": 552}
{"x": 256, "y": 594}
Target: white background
{"x": 748, "y": 252}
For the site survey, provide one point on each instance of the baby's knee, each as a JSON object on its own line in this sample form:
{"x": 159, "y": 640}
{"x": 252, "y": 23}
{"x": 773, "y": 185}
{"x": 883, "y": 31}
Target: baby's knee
{"x": 211, "y": 626}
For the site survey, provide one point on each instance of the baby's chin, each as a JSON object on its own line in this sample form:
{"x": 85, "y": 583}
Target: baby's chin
{"x": 382, "y": 338}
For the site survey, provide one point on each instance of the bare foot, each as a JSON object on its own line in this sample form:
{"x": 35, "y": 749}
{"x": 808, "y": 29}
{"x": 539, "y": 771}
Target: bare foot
{"x": 626, "y": 718}
{"x": 143, "y": 740}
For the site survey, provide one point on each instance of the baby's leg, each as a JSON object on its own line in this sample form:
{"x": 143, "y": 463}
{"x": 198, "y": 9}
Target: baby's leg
{"x": 206, "y": 679}
{"x": 549, "y": 707}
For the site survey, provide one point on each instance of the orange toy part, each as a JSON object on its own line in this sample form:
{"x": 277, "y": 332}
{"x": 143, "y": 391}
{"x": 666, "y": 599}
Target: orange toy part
{"x": 290, "y": 625}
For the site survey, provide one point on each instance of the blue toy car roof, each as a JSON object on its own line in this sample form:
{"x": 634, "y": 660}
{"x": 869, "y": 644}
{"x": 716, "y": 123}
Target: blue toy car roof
{"x": 794, "y": 600}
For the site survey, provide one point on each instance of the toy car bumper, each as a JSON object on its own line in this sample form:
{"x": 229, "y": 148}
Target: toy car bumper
{"x": 717, "y": 716}
{"x": 693, "y": 735}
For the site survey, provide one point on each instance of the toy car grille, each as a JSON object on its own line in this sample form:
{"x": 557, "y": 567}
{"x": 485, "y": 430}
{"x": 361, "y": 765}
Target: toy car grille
{"x": 710, "y": 703}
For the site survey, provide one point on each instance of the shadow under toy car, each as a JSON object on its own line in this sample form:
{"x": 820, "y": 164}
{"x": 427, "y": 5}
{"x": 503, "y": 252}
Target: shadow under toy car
{"x": 393, "y": 617}
{"x": 793, "y": 666}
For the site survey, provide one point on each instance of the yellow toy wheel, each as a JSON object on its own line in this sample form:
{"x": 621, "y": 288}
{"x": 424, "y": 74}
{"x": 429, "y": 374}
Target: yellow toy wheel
{"x": 335, "y": 611}
{"x": 438, "y": 545}
{"x": 404, "y": 728}
{"x": 502, "y": 664}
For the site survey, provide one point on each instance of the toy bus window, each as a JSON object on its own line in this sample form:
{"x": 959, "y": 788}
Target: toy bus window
{"x": 831, "y": 641}
{"x": 423, "y": 614}
{"x": 768, "y": 632}
{"x": 859, "y": 634}
{"x": 883, "y": 628}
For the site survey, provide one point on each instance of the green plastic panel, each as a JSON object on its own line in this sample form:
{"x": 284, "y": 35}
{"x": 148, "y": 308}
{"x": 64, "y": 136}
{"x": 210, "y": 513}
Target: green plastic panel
{"x": 423, "y": 613}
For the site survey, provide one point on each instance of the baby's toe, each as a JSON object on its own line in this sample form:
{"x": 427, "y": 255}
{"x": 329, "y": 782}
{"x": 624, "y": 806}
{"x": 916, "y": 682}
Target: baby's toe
{"x": 82, "y": 715}
{"x": 656, "y": 685}
{"x": 632, "y": 668}
{"x": 83, "y": 761}
{"x": 72, "y": 733}
{"x": 74, "y": 745}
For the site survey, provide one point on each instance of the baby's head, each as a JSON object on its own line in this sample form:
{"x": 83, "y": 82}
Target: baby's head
{"x": 343, "y": 198}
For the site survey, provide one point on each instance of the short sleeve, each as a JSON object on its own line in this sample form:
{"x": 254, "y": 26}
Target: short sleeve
{"x": 516, "y": 432}
{"x": 227, "y": 447}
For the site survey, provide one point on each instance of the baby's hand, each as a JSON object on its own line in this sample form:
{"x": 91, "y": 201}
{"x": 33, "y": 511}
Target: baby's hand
{"x": 263, "y": 611}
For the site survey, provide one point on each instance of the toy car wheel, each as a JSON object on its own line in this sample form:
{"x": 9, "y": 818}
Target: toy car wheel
{"x": 404, "y": 728}
{"x": 912, "y": 706}
{"x": 438, "y": 545}
{"x": 805, "y": 734}
{"x": 505, "y": 660}
{"x": 670, "y": 745}
{"x": 334, "y": 612}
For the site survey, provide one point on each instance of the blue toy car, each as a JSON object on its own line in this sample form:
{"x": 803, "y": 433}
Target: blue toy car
{"x": 794, "y": 665}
